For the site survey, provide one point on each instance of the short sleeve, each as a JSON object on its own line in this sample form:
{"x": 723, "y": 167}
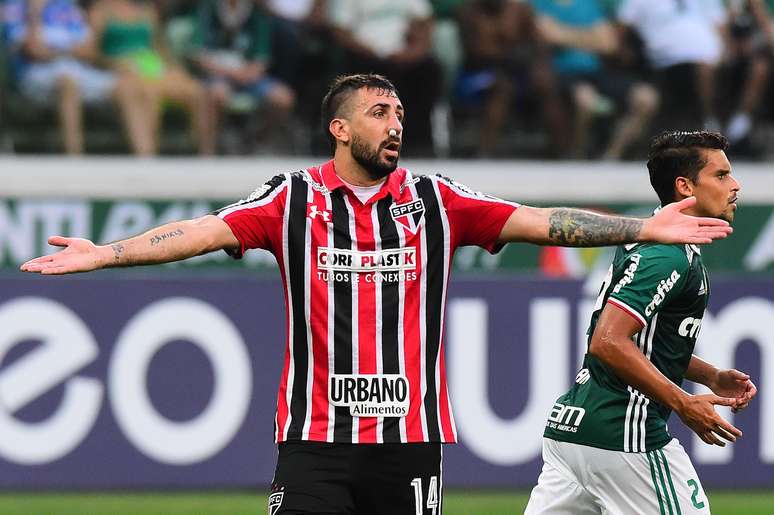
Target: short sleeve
{"x": 475, "y": 218}
{"x": 649, "y": 280}
{"x": 257, "y": 220}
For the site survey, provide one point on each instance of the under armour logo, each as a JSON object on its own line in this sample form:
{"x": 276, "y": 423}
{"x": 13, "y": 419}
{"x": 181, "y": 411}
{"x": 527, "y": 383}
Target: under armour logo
{"x": 312, "y": 211}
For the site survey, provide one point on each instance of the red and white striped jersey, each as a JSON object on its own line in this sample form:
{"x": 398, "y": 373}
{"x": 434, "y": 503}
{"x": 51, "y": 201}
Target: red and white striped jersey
{"x": 365, "y": 289}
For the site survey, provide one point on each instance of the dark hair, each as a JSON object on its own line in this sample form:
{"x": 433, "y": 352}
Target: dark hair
{"x": 676, "y": 154}
{"x": 341, "y": 89}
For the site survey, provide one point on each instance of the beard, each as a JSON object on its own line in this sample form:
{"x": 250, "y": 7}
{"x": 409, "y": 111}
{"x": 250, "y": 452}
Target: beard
{"x": 369, "y": 159}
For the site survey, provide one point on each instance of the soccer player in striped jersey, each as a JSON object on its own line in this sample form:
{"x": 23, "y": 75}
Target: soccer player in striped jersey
{"x": 607, "y": 448}
{"x": 365, "y": 250}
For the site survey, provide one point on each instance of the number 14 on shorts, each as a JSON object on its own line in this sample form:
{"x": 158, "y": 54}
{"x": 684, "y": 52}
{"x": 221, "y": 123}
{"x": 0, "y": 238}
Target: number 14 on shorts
{"x": 432, "y": 495}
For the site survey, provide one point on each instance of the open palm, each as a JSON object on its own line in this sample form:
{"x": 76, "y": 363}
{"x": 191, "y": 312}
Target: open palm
{"x": 79, "y": 255}
{"x": 670, "y": 225}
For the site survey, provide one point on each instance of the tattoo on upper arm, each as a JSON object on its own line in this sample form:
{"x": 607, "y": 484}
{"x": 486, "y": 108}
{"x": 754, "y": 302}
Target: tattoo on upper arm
{"x": 118, "y": 250}
{"x": 576, "y": 228}
{"x": 158, "y": 238}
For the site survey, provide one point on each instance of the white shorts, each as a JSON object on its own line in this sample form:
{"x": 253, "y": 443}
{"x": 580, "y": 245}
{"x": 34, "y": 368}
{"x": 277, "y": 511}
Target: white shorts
{"x": 39, "y": 81}
{"x": 579, "y": 480}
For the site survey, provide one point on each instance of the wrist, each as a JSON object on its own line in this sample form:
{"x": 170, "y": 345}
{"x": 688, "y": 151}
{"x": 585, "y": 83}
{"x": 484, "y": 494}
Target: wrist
{"x": 678, "y": 400}
{"x": 646, "y": 230}
{"x": 107, "y": 255}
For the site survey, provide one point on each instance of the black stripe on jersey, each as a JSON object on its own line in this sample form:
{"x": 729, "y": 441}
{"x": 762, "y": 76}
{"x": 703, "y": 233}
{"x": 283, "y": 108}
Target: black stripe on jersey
{"x": 297, "y": 221}
{"x": 342, "y": 315}
{"x": 433, "y": 276}
{"x": 259, "y": 194}
{"x": 388, "y": 234}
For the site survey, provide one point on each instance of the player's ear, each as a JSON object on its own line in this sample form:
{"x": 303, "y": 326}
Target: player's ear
{"x": 340, "y": 129}
{"x": 684, "y": 187}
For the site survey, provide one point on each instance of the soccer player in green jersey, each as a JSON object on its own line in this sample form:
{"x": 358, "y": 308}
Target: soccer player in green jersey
{"x": 607, "y": 448}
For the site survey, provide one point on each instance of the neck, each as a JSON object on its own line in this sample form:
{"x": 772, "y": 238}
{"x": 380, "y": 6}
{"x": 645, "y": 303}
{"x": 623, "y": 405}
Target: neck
{"x": 351, "y": 171}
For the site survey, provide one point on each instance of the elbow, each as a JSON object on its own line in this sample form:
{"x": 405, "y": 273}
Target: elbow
{"x": 602, "y": 347}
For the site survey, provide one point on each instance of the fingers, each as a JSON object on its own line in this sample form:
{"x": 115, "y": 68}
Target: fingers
{"x": 737, "y": 375}
{"x": 710, "y": 438}
{"x": 58, "y": 241}
{"x": 722, "y": 401}
{"x": 723, "y": 433}
{"x": 727, "y": 428}
{"x": 685, "y": 203}
{"x": 33, "y": 265}
{"x": 706, "y": 221}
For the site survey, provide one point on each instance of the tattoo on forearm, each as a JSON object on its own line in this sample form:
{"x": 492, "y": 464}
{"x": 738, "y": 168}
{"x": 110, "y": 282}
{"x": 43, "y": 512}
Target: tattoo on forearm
{"x": 576, "y": 228}
{"x": 158, "y": 238}
{"x": 118, "y": 251}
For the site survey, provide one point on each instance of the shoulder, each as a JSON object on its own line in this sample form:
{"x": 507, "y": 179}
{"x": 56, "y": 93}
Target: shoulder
{"x": 661, "y": 259}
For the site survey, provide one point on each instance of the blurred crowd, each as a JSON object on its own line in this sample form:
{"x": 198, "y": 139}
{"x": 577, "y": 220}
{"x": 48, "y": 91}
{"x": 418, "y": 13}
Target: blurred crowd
{"x": 580, "y": 79}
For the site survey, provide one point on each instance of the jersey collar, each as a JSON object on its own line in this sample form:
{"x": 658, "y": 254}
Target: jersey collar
{"x": 391, "y": 186}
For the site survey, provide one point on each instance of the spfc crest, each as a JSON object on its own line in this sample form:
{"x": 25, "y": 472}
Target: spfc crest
{"x": 275, "y": 501}
{"x": 409, "y": 215}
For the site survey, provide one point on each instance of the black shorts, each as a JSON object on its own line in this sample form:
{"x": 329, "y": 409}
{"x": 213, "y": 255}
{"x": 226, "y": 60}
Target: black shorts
{"x": 357, "y": 479}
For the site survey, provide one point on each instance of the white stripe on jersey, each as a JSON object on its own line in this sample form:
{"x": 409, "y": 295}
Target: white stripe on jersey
{"x": 286, "y": 263}
{"x": 308, "y": 314}
{"x": 446, "y": 260}
{"x": 238, "y": 206}
{"x": 459, "y": 189}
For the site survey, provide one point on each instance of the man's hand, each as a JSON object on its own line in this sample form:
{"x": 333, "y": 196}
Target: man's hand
{"x": 670, "y": 225}
{"x": 698, "y": 413}
{"x": 733, "y": 384}
{"x": 79, "y": 255}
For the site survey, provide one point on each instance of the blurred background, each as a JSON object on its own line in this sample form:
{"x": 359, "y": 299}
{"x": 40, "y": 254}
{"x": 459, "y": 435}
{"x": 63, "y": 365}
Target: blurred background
{"x": 119, "y": 115}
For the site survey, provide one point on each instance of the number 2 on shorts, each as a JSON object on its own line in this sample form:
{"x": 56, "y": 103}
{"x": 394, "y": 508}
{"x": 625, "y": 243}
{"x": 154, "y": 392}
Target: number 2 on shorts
{"x": 432, "y": 495}
{"x": 696, "y": 503}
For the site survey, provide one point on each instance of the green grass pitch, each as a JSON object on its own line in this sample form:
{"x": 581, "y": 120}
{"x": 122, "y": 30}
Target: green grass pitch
{"x": 456, "y": 502}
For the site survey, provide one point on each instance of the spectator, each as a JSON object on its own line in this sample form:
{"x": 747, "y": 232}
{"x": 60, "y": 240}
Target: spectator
{"x": 393, "y": 38}
{"x": 303, "y": 59}
{"x": 582, "y": 36}
{"x": 749, "y": 64}
{"x": 684, "y": 44}
{"x": 129, "y": 37}
{"x": 51, "y": 52}
{"x": 503, "y": 54}
{"x": 233, "y": 51}
{"x": 301, "y": 34}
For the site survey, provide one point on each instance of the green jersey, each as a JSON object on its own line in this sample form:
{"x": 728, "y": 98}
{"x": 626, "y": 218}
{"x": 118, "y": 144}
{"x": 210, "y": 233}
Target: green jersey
{"x": 665, "y": 288}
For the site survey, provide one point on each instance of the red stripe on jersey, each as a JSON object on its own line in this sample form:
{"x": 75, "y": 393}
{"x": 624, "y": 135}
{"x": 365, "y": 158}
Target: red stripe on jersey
{"x": 319, "y": 321}
{"x": 366, "y": 313}
{"x": 412, "y": 347}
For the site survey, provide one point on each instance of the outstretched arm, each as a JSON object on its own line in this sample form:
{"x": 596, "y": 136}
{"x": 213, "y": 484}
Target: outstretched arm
{"x": 726, "y": 383}
{"x": 170, "y": 242}
{"x": 578, "y": 228}
{"x": 612, "y": 344}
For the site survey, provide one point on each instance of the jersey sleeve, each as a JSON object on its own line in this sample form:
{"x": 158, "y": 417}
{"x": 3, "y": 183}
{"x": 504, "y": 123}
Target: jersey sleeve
{"x": 257, "y": 220}
{"x": 475, "y": 218}
{"x": 648, "y": 280}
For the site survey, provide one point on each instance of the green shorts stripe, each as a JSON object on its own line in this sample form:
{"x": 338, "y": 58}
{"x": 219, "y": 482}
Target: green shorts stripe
{"x": 671, "y": 485}
{"x": 663, "y": 483}
{"x": 655, "y": 483}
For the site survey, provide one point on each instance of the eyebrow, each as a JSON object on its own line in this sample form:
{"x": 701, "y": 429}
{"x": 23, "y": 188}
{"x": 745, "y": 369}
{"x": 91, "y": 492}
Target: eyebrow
{"x": 385, "y": 105}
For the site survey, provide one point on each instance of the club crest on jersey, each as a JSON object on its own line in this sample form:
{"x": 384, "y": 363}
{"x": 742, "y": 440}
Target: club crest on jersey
{"x": 409, "y": 215}
{"x": 275, "y": 501}
{"x": 314, "y": 212}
